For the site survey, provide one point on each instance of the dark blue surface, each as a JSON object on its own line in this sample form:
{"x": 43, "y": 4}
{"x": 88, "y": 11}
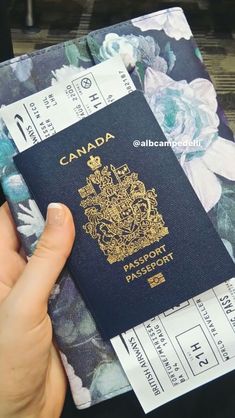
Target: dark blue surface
{"x": 200, "y": 259}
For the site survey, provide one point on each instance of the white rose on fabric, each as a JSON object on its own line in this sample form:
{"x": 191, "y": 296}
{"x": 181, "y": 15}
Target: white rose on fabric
{"x": 206, "y": 185}
{"x": 126, "y": 46}
{"x": 22, "y": 67}
{"x": 185, "y": 111}
{"x": 13, "y": 185}
{"x": 108, "y": 378}
{"x": 82, "y": 398}
{"x": 218, "y": 159}
{"x": 65, "y": 72}
{"x": 81, "y": 395}
{"x": 171, "y": 21}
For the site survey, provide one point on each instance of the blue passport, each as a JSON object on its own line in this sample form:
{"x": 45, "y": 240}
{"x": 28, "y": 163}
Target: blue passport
{"x": 143, "y": 240}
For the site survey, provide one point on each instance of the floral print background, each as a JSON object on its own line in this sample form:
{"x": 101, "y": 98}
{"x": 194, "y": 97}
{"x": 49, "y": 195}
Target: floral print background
{"x": 166, "y": 65}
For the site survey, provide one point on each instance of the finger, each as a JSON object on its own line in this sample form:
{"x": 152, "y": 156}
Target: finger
{"x": 33, "y": 288}
{"x": 11, "y": 267}
{"x": 11, "y": 263}
{"x": 9, "y": 237}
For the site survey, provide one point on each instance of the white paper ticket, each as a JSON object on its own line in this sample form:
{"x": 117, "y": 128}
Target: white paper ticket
{"x": 181, "y": 349}
{"x": 41, "y": 115}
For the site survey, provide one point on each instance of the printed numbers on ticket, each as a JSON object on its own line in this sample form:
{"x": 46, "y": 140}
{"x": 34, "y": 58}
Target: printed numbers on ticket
{"x": 41, "y": 115}
{"x": 181, "y": 349}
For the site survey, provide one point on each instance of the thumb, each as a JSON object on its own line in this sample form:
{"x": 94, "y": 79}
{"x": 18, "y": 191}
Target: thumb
{"x": 34, "y": 286}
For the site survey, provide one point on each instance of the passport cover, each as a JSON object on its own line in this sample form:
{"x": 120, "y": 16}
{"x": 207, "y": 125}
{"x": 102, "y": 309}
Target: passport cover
{"x": 143, "y": 239}
{"x": 164, "y": 42}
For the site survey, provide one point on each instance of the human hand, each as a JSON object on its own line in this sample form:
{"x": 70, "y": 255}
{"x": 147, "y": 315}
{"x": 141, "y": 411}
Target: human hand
{"x": 32, "y": 379}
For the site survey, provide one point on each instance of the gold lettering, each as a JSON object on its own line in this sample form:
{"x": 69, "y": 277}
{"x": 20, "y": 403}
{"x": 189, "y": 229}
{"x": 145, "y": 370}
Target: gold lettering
{"x": 81, "y": 151}
{"x": 149, "y": 267}
{"x": 165, "y": 258}
{"x": 90, "y": 146}
{"x": 136, "y": 263}
{"x": 63, "y": 161}
{"x": 161, "y": 249}
{"x": 99, "y": 141}
{"x": 126, "y": 267}
{"x": 109, "y": 136}
{"x": 87, "y": 148}
{"x": 145, "y": 257}
{"x": 72, "y": 157}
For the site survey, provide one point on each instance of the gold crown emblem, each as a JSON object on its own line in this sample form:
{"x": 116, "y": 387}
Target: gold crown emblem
{"x": 121, "y": 212}
{"x": 94, "y": 162}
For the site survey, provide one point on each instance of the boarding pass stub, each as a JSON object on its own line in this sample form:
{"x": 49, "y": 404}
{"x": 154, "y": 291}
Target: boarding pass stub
{"x": 43, "y": 114}
{"x": 181, "y": 349}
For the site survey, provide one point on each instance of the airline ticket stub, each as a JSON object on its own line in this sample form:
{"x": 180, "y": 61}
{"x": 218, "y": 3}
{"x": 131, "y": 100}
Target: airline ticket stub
{"x": 41, "y": 115}
{"x": 181, "y": 349}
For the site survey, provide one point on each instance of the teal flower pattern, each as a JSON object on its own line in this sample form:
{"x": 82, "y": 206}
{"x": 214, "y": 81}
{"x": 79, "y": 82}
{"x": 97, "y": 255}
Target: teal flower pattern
{"x": 187, "y": 112}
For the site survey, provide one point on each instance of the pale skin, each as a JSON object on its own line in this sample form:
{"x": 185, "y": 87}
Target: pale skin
{"x": 32, "y": 379}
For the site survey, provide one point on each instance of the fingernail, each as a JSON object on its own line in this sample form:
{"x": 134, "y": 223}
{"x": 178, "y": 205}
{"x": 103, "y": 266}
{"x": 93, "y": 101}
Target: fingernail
{"x": 55, "y": 214}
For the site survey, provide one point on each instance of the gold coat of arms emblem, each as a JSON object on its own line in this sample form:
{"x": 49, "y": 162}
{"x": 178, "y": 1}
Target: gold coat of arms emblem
{"x": 122, "y": 214}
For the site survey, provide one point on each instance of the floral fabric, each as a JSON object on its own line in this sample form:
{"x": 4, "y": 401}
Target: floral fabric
{"x": 166, "y": 65}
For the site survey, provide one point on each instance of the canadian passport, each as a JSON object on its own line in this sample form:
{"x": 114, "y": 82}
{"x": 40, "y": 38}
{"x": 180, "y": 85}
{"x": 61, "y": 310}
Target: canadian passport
{"x": 143, "y": 240}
